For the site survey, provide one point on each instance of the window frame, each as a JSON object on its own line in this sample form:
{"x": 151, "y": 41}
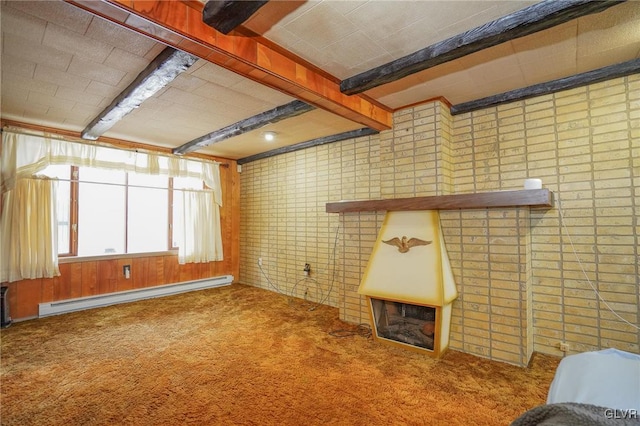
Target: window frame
{"x": 74, "y": 200}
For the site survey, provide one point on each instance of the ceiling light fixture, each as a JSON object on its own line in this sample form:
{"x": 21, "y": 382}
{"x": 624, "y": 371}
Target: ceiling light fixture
{"x": 269, "y": 136}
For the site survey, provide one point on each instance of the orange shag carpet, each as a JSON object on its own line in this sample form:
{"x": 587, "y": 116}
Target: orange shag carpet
{"x": 240, "y": 355}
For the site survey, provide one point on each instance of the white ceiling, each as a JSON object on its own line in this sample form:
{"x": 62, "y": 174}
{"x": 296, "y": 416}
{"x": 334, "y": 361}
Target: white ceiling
{"x": 61, "y": 66}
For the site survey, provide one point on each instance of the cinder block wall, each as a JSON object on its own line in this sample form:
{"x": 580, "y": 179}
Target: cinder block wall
{"x": 521, "y": 285}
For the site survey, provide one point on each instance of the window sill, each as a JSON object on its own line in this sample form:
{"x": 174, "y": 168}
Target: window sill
{"x": 77, "y": 259}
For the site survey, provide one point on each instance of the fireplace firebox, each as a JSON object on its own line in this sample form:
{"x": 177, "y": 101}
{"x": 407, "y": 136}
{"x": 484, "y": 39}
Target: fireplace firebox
{"x": 405, "y": 323}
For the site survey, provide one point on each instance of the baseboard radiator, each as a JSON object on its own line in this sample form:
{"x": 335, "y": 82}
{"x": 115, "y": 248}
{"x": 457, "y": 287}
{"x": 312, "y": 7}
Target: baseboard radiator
{"x": 82, "y": 303}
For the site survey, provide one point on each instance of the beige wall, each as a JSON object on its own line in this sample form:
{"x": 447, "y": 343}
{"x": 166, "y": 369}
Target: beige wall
{"x": 521, "y": 286}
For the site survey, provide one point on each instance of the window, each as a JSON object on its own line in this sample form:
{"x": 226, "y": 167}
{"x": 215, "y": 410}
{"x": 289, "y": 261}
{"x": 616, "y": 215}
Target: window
{"x": 116, "y": 212}
{"x": 148, "y": 213}
{"x": 101, "y": 212}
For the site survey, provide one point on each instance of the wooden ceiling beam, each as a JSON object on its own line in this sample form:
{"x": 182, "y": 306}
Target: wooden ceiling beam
{"x": 161, "y": 71}
{"x": 179, "y": 25}
{"x": 292, "y": 109}
{"x": 225, "y": 15}
{"x": 537, "y": 17}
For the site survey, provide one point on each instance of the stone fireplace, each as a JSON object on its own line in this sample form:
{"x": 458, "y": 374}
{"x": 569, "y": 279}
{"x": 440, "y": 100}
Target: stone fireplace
{"x": 409, "y": 284}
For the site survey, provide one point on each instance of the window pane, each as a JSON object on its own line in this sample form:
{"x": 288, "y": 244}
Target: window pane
{"x": 181, "y": 183}
{"x": 63, "y": 204}
{"x": 101, "y": 212}
{"x": 148, "y": 225}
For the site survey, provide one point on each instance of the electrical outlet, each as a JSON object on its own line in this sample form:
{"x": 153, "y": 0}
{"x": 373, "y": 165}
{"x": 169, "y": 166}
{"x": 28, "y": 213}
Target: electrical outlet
{"x": 259, "y": 261}
{"x": 564, "y": 346}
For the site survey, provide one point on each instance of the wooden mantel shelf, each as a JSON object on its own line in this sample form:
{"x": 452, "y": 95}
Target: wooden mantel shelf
{"x": 526, "y": 197}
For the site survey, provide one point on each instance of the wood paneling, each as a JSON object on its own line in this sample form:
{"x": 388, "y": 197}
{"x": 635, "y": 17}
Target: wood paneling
{"x": 87, "y": 278}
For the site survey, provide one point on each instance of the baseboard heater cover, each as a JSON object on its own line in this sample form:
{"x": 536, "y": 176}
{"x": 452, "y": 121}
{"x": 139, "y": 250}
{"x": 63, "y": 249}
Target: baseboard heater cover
{"x": 101, "y": 300}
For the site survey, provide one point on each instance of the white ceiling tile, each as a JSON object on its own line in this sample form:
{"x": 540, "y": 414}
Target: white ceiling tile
{"x": 60, "y": 38}
{"x": 125, "y": 61}
{"x": 155, "y": 51}
{"x": 57, "y": 12}
{"x": 188, "y": 83}
{"x": 284, "y": 38}
{"x": 96, "y": 72}
{"x": 560, "y": 40}
{"x": 28, "y": 84}
{"x": 259, "y": 91}
{"x": 598, "y": 33}
{"x": 17, "y": 65}
{"x": 60, "y": 78}
{"x": 81, "y": 97}
{"x": 385, "y": 22}
{"x": 101, "y": 89}
{"x": 410, "y": 39}
{"x": 50, "y": 101}
{"x": 608, "y": 57}
{"x": 12, "y": 109}
{"x": 34, "y": 52}
{"x": 81, "y": 115}
{"x": 19, "y": 23}
{"x": 321, "y": 27}
{"x": 14, "y": 92}
{"x": 233, "y": 97}
{"x": 184, "y": 99}
{"x": 119, "y": 37}
{"x": 215, "y": 74}
{"x": 344, "y": 7}
{"x": 538, "y": 71}
{"x": 355, "y": 49}
{"x": 35, "y": 110}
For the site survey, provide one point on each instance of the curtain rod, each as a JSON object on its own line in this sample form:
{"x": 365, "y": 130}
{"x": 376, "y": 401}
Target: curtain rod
{"x": 122, "y": 184}
{"x": 105, "y": 144}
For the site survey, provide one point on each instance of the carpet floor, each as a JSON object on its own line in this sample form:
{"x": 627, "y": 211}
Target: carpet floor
{"x": 240, "y": 355}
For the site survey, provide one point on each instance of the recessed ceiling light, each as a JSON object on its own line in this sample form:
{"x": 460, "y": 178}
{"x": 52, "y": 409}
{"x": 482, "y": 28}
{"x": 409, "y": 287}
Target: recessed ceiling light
{"x": 269, "y": 136}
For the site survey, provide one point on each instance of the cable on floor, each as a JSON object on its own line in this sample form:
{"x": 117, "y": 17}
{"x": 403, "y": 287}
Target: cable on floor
{"x": 362, "y": 330}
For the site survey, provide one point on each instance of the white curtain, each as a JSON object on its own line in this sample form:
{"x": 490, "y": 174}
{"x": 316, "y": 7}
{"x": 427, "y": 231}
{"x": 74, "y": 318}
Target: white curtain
{"x": 199, "y": 228}
{"x": 29, "y": 231}
{"x": 24, "y": 155}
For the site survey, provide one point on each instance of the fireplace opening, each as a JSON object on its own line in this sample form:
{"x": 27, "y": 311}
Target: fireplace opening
{"x": 405, "y": 323}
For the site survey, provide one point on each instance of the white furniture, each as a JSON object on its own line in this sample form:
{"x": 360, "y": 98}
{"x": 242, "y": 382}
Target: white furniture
{"x": 607, "y": 378}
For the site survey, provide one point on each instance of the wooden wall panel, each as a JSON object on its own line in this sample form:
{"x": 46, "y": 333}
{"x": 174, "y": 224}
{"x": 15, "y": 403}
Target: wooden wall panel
{"x": 140, "y": 271}
{"x": 30, "y": 293}
{"x": 75, "y": 281}
{"x": 107, "y": 276}
{"x": 47, "y": 291}
{"x": 61, "y": 286}
{"x": 170, "y": 268}
{"x": 89, "y": 278}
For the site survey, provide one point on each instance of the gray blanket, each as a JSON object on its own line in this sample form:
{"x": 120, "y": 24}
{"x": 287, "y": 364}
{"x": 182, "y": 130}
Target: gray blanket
{"x": 570, "y": 414}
